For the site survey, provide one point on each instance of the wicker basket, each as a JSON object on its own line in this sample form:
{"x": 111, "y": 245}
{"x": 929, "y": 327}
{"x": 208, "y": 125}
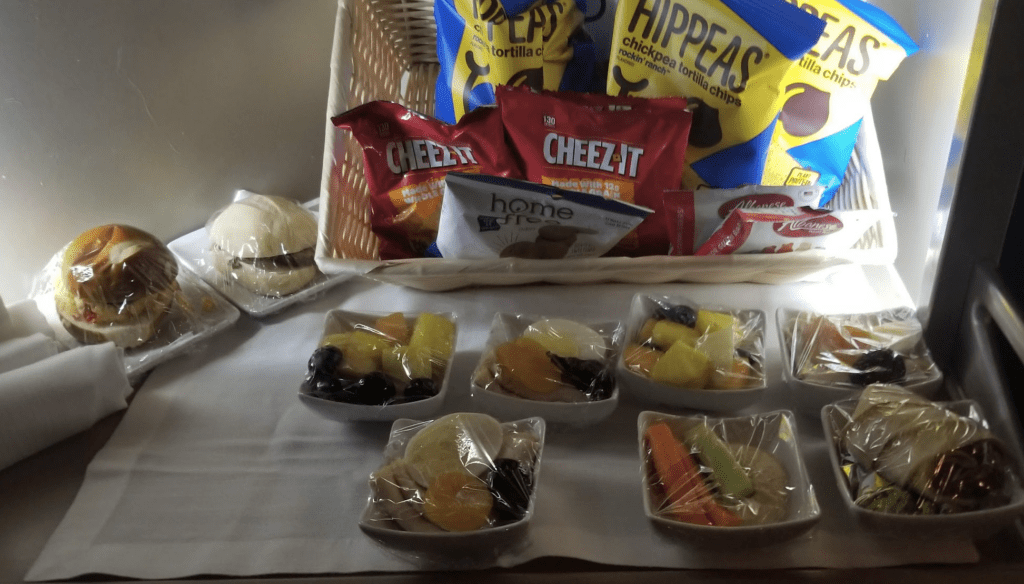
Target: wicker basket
{"x": 385, "y": 49}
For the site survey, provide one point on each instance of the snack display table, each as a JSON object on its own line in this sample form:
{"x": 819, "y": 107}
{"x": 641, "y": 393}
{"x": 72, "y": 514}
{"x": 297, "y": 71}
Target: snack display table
{"x": 217, "y": 469}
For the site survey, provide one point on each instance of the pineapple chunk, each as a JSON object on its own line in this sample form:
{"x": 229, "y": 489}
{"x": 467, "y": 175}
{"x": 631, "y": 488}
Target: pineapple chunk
{"x": 646, "y": 331}
{"x": 337, "y": 340}
{"x": 719, "y": 346}
{"x": 407, "y": 363}
{"x": 436, "y": 334}
{"x": 683, "y": 366}
{"x": 708, "y": 321}
{"x": 667, "y": 333}
{"x": 363, "y": 352}
{"x": 640, "y": 358}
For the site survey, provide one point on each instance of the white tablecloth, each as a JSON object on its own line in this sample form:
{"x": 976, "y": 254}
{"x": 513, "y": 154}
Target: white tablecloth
{"x": 217, "y": 468}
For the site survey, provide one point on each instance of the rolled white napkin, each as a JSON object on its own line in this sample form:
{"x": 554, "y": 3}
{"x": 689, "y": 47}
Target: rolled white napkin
{"x": 52, "y": 399}
{"x": 22, "y": 351}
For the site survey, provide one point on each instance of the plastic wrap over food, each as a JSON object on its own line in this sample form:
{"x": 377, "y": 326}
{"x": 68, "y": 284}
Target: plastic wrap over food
{"x": 728, "y": 473}
{"x": 373, "y": 361}
{"x": 904, "y": 454}
{"x": 549, "y": 359}
{"x": 855, "y": 350}
{"x": 680, "y": 343}
{"x": 457, "y": 489}
{"x": 120, "y": 284}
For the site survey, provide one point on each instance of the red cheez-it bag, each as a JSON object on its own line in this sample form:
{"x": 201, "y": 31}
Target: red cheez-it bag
{"x": 625, "y": 148}
{"x": 406, "y": 157}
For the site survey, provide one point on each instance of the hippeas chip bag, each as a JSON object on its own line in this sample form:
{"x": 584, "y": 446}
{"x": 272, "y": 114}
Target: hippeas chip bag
{"x": 827, "y": 96}
{"x": 729, "y": 58}
{"x": 481, "y": 45}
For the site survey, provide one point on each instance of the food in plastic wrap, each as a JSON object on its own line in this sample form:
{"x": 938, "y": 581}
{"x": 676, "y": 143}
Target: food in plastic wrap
{"x": 549, "y": 359}
{"x": 688, "y": 346}
{"x": 463, "y": 472}
{"x": 265, "y": 244}
{"x": 406, "y": 156}
{"x": 826, "y": 97}
{"x": 700, "y": 213}
{"x": 483, "y": 44}
{"x": 115, "y": 283}
{"x": 381, "y": 360}
{"x": 902, "y": 453}
{"x": 855, "y": 350}
{"x": 485, "y": 217}
{"x": 787, "y": 229}
{"x": 731, "y": 473}
{"x": 730, "y": 59}
{"x": 624, "y": 148}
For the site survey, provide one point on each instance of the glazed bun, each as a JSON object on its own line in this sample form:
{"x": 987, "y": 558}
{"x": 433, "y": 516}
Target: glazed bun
{"x": 116, "y": 283}
{"x": 266, "y": 244}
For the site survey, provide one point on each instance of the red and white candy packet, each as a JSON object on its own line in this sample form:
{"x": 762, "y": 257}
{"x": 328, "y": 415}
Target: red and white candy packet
{"x": 788, "y": 229}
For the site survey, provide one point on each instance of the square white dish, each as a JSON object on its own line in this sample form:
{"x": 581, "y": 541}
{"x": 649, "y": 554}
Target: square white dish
{"x": 337, "y": 321}
{"x": 977, "y": 524}
{"x": 464, "y": 548}
{"x": 773, "y": 432}
{"x": 507, "y": 406}
{"x": 810, "y": 396}
{"x": 753, "y": 323}
{"x": 193, "y": 252}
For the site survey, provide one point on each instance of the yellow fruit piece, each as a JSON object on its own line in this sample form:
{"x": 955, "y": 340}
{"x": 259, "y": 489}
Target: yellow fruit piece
{"x": 708, "y": 321}
{"x": 394, "y": 326}
{"x": 524, "y": 364}
{"x": 640, "y": 359}
{"x": 407, "y": 363}
{"x": 436, "y": 334}
{"x": 457, "y": 501}
{"x": 646, "y": 333}
{"x": 667, "y": 333}
{"x": 363, "y": 352}
{"x": 683, "y": 366}
{"x": 337, "y": 340}
{"x": 720, "y": 346}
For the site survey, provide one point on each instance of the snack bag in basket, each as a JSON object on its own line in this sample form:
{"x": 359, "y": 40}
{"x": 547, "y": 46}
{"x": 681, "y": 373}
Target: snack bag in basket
{"x": 406, "y": 156}
{"x": 827, "y": 96}
{"x": 786, "y": 230}
{"x": 729, "y": 59}
{"x": 485, "y": 43}
{"x": 625, "y": 148}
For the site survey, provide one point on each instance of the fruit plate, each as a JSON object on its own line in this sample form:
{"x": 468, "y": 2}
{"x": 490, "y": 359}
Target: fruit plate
{"x": 809, "y": 396}
{"x": 771, "y": 432}
{"x": 342, "y": 321}
{"x": 748, "y": 341}
{"x": 193, "y": 252}
{"x": 976, "y": 524}
{"x": 453, "y": 549}
{"x": 596, "y": 341}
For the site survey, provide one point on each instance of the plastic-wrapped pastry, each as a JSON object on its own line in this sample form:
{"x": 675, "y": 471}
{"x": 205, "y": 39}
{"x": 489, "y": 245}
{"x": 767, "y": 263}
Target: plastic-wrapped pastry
{"x": 947, "y": 462}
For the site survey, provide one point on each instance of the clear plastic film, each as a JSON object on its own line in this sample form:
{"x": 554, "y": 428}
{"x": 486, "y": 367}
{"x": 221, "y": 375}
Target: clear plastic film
{"x": 380, "y": 365}
{"x": 121, "y": 284}
{"x": 851, "y": 351}
{"x": 900, "y": 453}
{"x": 700, "y": 472}
{"x": 456, "y": 489}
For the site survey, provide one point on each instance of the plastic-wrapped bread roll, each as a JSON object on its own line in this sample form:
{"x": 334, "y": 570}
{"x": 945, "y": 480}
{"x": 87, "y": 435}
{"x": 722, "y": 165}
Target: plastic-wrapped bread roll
{"x": 922, "y": 446}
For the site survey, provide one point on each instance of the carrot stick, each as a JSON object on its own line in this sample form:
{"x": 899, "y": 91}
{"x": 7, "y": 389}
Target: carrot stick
{"x": 684, "y": 488}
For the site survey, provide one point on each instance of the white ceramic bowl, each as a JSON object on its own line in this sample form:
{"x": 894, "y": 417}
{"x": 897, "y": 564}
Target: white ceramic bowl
{"x": 723, "y": 400}
{"x": 338, "y": 321}
{"x": 505, "y": 406}
{"x": 453, "y": 548}
{"x": 810, "y": 396}
{"x": 774, "y": 432}
{"x": 977, "y": 524}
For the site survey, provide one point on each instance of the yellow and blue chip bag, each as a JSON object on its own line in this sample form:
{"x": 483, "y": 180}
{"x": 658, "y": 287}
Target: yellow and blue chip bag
{"x": 729, "y": 58}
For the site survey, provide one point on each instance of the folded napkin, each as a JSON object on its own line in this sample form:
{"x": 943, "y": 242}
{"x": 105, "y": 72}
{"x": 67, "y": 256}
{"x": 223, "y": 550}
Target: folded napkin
{"x": 52, "y": 399}
{"x": 23, "y": 351}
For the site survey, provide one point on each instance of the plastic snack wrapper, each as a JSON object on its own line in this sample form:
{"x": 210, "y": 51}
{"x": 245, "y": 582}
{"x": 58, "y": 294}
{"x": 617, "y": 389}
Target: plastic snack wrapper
{"x": 856, "y": 350}
{"x": 787, "y": 230}
{"x": 624, "y": 148}
{"x": 483, "y": 44}
{"x": 700, "y": 472}
{"x": 373, "y": 361}
{"x": 120, "y": 284}
{"x": 457, "y": 489}
{"x": 406, "y": 156}
{"x": 700, "y": 213}
{"x": 901, "y": 453}
{"x": 484, "y": 217}
{"x": 549, "y": 359}
{"x": 730, "y": 59}
{"x": 826, "y": 97}
{"x": 682, "y": 344}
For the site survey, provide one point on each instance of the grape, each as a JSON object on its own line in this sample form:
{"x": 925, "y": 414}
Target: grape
{"x": 372, "y": 389}
{"x": 879, "y": 366}
{"x": 510, "y": 483}
{"x": 421, "y": 388}
{"x": 587, "y": 375}
{"x": 325, "y": 360}
{"x": 679, "y": 313}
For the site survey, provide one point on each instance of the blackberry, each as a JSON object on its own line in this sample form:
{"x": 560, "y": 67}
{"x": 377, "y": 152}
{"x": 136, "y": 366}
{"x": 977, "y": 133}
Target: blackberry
{"x": 510, "y": 484}
{"x": 587, "y": 375}
{"x": 879, "y": 366}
